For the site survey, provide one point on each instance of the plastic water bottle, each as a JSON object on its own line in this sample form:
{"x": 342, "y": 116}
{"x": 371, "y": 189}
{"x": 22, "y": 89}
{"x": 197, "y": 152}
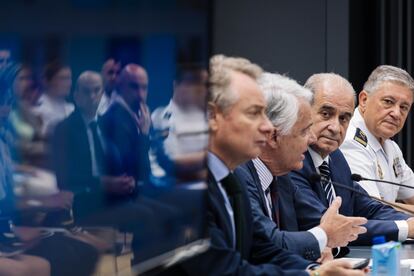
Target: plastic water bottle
{"x": 385, "y": 257}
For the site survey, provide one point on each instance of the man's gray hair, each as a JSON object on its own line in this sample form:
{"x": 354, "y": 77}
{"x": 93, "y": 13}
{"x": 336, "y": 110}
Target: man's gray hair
{"x": 388, "y": 73}
{"x": 221, "y": 68}
{"x": 317, "y": 81}
{"x": 283, "y": 96}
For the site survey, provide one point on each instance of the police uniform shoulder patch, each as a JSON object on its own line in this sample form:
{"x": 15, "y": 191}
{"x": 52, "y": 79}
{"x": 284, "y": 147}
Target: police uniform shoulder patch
{"x": 360, "y": 137}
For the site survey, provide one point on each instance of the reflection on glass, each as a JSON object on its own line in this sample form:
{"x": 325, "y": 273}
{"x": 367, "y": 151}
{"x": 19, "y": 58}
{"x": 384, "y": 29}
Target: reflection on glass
{"x": 103, "y": 143}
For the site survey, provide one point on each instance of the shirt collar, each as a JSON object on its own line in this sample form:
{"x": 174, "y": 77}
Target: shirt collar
{"x": 217, "y": 167}
{"x": 265, "y": 176}
{"x": 317, "y": 159}
{"x": 359, "y": 122}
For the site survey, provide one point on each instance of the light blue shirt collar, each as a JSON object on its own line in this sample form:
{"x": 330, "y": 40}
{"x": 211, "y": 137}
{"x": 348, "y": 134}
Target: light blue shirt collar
{"x": 217, "y": 167}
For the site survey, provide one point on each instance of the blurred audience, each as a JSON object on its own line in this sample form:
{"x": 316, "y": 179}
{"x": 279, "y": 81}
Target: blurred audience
{"x": 110, "y": 71}
{"x": 180, "y": 129}
{"x": 127, "y": 122}
{"x": 52, "y": 106}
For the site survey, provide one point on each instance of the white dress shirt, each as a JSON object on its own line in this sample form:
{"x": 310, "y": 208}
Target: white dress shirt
{"x": 52, "y": 111}
{"x": 266, "y": 178}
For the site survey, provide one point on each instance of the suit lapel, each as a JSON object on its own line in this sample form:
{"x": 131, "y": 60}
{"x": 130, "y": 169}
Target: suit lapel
{"x": 256, "y": 179}
{"x": 218, "y": 208}
{"x": 309, "y": 168}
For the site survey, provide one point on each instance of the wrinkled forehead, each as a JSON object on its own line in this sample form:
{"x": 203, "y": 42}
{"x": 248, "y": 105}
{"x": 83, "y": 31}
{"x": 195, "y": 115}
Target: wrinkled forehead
{"x": 246, "y": 90}
{"x": 394, "y": 89}
{"x": 337, "y": 96}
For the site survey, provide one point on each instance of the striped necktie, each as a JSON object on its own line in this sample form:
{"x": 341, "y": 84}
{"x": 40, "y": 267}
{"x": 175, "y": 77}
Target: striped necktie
{"x": 326, "y": 181}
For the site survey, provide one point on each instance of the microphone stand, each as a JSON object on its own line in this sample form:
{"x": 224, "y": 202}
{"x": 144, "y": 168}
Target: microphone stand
{"x": 376, "y": 198}
{"x": 357, "y": 178}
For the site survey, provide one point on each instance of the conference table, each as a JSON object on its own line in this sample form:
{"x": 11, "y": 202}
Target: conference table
{"x": 407, "y": 252}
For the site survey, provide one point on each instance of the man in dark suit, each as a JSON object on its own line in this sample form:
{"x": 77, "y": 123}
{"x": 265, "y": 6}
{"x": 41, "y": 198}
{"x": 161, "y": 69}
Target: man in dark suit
{"x": 333, "y": 106}
{"x": 238, "y": 129}
{"x": 127, "y": 122}
{"x": 84, "y": 161}
{"x": 270, "y": 189}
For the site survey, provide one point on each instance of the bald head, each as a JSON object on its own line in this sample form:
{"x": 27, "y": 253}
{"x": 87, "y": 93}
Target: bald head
{"x": 88, "y": 92}
{"x": 330, "y": 82}
{"x": 133, "y": 85}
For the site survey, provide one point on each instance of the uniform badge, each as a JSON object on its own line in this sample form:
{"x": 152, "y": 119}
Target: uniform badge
{"x": 380, "y": 173}
{"x": 397, "y": 167}
{"x": 360, "y": 137}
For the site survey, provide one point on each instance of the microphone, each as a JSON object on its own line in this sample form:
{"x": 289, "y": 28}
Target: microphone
{"x": 316, "y": 177}
{"x": 357, "y": 177}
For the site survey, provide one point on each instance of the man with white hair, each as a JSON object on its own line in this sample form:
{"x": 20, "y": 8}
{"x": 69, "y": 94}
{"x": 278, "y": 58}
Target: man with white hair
{"x": 270, "y": 189}
{"x": 384, "y": 104}
{"x": 238, "y": 131}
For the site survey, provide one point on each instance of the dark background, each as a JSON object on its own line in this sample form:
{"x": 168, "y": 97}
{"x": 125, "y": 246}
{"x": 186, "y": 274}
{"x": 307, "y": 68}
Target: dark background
{"x": 302, "y": 37}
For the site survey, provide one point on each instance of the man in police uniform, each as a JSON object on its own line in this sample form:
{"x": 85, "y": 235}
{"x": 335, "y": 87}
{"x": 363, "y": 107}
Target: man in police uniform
{"x": 384, "y": 104}
{"x": 180, "y": 129}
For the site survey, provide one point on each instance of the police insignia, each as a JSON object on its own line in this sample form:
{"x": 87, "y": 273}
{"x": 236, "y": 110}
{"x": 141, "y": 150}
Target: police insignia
{"x": 360, "y": 137}
{"x": 397, "y": 167}
{"x": 380, "y": 173}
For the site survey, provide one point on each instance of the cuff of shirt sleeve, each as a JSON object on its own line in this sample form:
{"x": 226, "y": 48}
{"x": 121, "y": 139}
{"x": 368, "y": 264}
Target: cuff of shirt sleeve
{"x": 321, "y": 236}
{"x": 402, "y": 229}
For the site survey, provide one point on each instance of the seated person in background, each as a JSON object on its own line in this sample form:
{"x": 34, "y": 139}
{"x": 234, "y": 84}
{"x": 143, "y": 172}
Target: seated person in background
{"x": 14, "y": 82}
{"x": 271, "y": 192}
{"x": 110, "y": 71}
{"x": 334, "y": 101}
{"x": 29, "y": 142}
{"x": 180, "y": 130}
{"x": 84, "y": 161}
{"x": 384, "y": 105}
{"x": 238, "y": 131}
{"x": 89, "y": 166}
{"x": 127, "y": 122}
{"x": 12, "y": 261}
{"x": 52, "y": 106}
{"x": 66, "y": 255}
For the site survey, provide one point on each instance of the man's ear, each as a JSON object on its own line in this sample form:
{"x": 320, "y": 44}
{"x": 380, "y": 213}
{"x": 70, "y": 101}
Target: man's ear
{"x": 212, "y": 113}
{"x": 273, "y": 138}
{"x": 362, "y": 101}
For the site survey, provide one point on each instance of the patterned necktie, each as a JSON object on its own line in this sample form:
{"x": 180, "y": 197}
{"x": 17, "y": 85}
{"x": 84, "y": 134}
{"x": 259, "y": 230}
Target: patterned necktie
{"x": 326, "y": 181}
{"x": 235, "y": 194}
{"x": 272, "y": 195}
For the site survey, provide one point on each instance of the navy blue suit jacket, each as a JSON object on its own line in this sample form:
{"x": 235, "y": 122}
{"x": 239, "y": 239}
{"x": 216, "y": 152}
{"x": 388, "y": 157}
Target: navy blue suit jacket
{"x": 119, "y": 127}
{"x": 259, "y": 255}
{"x": 311, "y": 201}
{"x": 287, "y": 234}
{"x": 72, "y": 163}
